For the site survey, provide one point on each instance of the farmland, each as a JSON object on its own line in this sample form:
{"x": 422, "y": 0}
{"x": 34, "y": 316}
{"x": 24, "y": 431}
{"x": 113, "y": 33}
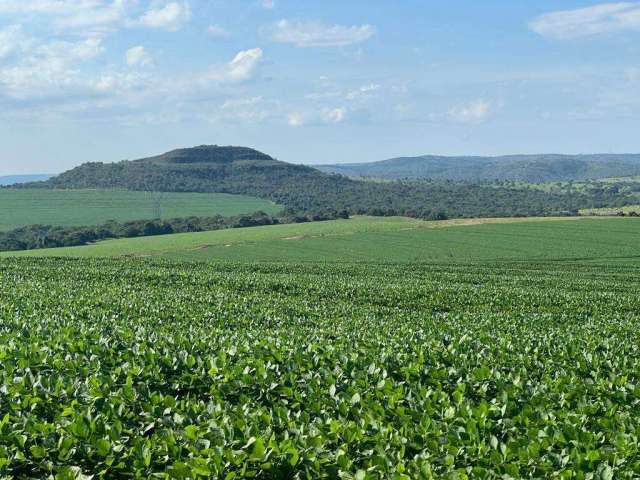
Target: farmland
{"x": 389, "y": 240}
{"x": 368, "y": 348}
{"x": 130, "y": 368}
{"x": 19, "y": 207}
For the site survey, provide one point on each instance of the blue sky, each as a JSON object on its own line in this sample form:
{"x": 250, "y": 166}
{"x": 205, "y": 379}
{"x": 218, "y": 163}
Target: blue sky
{"x": 315, "y": 82}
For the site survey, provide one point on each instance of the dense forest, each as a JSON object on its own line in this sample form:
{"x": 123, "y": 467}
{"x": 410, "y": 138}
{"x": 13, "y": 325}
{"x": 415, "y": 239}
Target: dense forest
{"x": 526, "y": 168}
{"x": 301, "y": 188}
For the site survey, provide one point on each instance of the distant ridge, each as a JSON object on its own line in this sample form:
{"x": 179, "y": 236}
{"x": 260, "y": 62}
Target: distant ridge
{"x": 528, "y": 168}
{"x": 13, "y": 179}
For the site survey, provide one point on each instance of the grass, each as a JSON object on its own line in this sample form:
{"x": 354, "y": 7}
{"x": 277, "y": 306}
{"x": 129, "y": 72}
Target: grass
{"x": 389, "y": 240}
{"x": 91, "y": 207}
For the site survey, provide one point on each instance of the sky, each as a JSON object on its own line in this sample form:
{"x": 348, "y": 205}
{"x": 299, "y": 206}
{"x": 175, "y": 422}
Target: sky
{"x": 315, "y": 82}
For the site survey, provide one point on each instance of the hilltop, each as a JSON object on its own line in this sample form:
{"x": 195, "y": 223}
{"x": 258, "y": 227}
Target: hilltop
{"x": 527, "y": 168}
{"x": 206, "y": 168}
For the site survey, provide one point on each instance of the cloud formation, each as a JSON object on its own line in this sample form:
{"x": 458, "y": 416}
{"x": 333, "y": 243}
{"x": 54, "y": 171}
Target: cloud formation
{"x": 13, "y": 40}
{"x": 49, "y": 69}
{"x": 584, "y": 22}
{"x": 95, "y": 16}
{"x": 334, "y": 115}
{"x": 474, "y": 112}
{"x": 315, "y": 34}
{"x": 171, "y": 16}
{"x": 137, "y": 56}
{"x": 216, "y": 31}
{"x": 241, "y": 68}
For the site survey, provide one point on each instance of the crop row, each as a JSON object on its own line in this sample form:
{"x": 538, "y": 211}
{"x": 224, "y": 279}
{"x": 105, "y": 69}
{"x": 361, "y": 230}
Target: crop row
{"x": 137, "y": 369}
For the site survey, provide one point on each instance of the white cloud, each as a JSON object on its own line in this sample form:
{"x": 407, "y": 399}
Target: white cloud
{"x": 49, "y": 69}
{"x": 245, "y": 109}
{"x": 217, "y": 31}
{"x": 46, "y": 6}
{"x": 324, "y": 116}
{"x": 296, "y": 119}
{"x": 97, "y": 16}
{"x": 583, "y": 22}
{"x": 472, "y": 113}
{"x": 172, "y": 16}
{"x": 241, "y": 68}
{"x": 334, "y": 115}
{"x": 137, "y": 56}
{"x": 63, "y": 53}
{"x": 13, "y": 40}
{"x": 363, "y": 91}
{"x": 314, "y": 34}
{"x": 115, "y": 83}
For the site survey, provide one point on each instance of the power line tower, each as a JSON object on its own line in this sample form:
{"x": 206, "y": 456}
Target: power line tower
{"x": 154, "y": 196}
{"x": 157, "y": 205}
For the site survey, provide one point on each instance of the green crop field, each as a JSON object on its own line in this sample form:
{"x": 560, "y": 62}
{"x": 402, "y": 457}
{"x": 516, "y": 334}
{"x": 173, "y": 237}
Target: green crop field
{"x": 394, "y": 239}
{"x": 361, "y": 349}
{"x": 131, "y": 368}
{"x": 20, "y": 207}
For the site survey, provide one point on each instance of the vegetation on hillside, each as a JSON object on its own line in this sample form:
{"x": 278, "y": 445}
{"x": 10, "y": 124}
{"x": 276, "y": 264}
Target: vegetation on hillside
{"x": 527, "y": 168}
{"x": 131, "y": 369}
{"x": 245, "y": 171}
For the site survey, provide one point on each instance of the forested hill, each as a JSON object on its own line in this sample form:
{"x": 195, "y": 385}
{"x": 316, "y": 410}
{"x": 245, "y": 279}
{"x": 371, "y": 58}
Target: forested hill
{"x": 206, "y": 168}
{"x": 528, "y": 168}
{"x": 242, "y": 170}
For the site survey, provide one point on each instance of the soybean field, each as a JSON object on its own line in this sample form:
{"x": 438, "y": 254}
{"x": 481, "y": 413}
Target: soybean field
{"x": 388, "y": 240}
{"x": 134, "y": 368}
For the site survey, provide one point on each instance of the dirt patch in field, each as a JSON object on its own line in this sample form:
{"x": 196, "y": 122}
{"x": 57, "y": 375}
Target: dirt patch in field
{"x": 461, "y": 222}
{"x": 464, "y": 222}
{"x": 202, "y": 247}
{"x": 297, "y": 237}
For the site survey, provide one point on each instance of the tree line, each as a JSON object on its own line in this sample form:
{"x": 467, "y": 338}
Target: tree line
{"x": 52, "y": 236}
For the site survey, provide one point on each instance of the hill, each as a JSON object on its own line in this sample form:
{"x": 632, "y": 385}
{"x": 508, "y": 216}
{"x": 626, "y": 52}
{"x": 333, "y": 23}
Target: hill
{"x": 13, "y": 179}
{"x": 528, "y": 168}
{"x": 387, "y": 240}
{"x": 21, "y": 207}
{"x": 200, "y": 169}
{"x": 240, "y": 170}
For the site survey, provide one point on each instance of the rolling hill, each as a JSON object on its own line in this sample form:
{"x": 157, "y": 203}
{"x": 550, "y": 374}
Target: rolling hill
{"x": 528, "y": 168}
